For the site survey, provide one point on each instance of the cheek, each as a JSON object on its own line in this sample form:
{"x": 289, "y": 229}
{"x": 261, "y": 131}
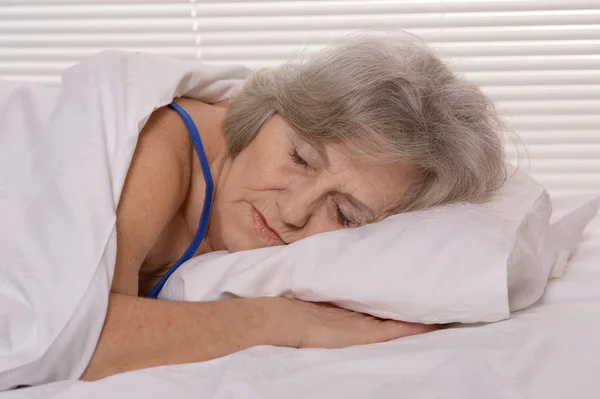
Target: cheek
{"x": 259, "y": 171}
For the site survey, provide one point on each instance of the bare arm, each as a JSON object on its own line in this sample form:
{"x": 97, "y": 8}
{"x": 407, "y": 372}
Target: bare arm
{"x": 140, "y": 333}
{"x": 155, "y": 187}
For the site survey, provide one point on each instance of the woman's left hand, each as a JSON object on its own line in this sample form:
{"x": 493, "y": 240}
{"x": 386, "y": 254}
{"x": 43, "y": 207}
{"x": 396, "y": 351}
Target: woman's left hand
{"x": 318, "y": 325}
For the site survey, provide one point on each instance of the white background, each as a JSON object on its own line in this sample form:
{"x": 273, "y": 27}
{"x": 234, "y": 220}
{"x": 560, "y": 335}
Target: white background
{"x": 539, "y": 60}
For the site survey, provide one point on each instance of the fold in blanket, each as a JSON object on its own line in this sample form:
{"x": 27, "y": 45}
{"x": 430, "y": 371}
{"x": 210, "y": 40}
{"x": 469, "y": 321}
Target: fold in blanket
{"x": 64, "y": 155}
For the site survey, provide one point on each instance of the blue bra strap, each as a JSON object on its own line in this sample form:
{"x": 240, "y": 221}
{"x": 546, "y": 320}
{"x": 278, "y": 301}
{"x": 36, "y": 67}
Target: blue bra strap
{"x": 205, "y": 216}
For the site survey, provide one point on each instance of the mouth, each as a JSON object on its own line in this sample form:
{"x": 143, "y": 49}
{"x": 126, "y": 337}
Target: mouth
{"x": 261, "y": 226}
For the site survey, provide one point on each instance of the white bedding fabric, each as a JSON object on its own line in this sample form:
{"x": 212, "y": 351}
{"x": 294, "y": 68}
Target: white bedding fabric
{"x": 64, "y": 154}
{"x": 61, "y": 148}
{"x": 551, "y": 350}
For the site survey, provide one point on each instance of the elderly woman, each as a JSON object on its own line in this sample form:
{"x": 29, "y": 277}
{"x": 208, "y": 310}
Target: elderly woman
{"x": 359, "y": 132}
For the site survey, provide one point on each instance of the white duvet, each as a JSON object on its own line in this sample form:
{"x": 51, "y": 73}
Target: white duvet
{"x": 64, "y": 154}
{"x": 551, "y": 350}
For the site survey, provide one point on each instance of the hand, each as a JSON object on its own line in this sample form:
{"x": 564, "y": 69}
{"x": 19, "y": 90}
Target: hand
{"x": 327, "y": 326}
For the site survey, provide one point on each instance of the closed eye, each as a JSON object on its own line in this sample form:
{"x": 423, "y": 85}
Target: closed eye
{"x": 341, "y": 218}
{"x": 296, "y": 158}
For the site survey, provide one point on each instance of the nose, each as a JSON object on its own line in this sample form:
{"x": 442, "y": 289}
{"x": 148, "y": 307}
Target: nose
{"x": 297, "y": 204}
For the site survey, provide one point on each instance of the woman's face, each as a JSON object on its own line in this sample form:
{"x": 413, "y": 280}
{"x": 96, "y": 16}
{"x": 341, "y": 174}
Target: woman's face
{"x": 280, "y": 189}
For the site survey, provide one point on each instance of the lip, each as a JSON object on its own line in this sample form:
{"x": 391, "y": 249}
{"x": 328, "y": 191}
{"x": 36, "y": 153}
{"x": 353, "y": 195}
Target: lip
{"x": 262, "y": 227}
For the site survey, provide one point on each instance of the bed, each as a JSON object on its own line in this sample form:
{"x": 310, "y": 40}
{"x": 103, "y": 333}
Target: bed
{"x": 539, "y": 65}
{"x": 547, "y": 351}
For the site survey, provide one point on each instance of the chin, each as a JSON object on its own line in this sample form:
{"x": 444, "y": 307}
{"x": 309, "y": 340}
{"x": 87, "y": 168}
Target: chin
{"x": 239, "y": 243}
{"x": 242, "y": 240}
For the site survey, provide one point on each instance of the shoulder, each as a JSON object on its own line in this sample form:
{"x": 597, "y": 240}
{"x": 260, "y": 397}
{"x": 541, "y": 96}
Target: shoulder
{"x": 166, "y": 131}
{"x": 208, "y": 119}
{"x": 168, "y": 134}
{"x": 205, "y": 116}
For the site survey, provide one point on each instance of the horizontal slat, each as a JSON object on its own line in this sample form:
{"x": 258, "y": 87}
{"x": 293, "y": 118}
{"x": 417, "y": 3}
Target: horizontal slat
{"x": 435, "y": 34}
{"x": 310, "y": 22}
{"x": 532, "y": 48}
{"x": 572, "y": 166}
{"x": 74, "y": 54}
{"x": 294, "y": 38}
{"x": 386, "y": 7}
{"x": 472, "y": 64}
{"x": 560, "y": 137}
{"x": 553, "y": 3}
{"x": 33, "y": 67}
{"x": 579, "y": 92}
{"x": 467, "y": 49}
{"x": 22, "y": 44}
{"x": 71, "y": 2}
{"x": 286, "y": 51}
{"x": 491, "y": 64}
{"x": 567, "y": 180}
{"x": 154, "y": 25}
{"x": 278, "y": 8}
{"x": 78, "y": 11}
{"x": 405, "y": 21}
{"x": 570, "y": 122}
{"x": 526, "y": 63}
{"x": 557, "y": 107}
{"x": 560, "y": 152}
{"x": 492, "y": 78}
{"x": 44, "y": 79}
{"x": 106, "y": 40}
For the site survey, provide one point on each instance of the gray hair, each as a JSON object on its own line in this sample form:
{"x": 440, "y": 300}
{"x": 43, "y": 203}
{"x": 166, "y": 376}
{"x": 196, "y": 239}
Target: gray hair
{"x": 385, "y": 99}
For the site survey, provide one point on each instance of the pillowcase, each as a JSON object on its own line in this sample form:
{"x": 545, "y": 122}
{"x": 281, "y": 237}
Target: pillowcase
{"x": 454, "y": 263}
{"x": 571, "y": 214}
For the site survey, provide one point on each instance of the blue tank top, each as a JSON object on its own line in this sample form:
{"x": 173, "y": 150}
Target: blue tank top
{"x": 205, "y": 216}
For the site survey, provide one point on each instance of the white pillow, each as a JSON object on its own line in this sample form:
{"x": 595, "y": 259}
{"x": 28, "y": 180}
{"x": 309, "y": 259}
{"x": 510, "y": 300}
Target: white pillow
{"x": 442, "y": 265}
{"x": 571, "y": 215}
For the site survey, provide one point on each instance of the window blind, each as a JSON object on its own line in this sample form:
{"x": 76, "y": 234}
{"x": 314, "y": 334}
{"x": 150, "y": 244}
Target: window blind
{"x": 539, "y": 60}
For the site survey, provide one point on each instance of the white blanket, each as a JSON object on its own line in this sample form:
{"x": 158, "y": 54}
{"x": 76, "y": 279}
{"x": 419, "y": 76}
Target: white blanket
{"x": 64, "y": 155}
{"x": 549, "y": 351}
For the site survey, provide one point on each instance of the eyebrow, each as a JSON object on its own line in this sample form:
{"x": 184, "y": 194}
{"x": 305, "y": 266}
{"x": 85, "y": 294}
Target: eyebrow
{"x": 358, "y": 204}
{"x": 323, "y": 153}
{"x": 319, "y": 150}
